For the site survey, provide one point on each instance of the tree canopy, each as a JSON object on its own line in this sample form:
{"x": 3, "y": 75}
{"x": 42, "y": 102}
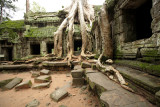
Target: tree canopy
{"x": 37, "y": 8}
{"x": 4, "y": 5}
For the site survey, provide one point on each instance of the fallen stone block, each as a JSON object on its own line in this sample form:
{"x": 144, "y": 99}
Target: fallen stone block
{"x": 89, "y": 70}
{"x": 42, "y": 79}
{"x": 42, "y": 85}
{"x": 77, "y": 67}
{"x": 78, "y": 81}
{"x": 4, "y": 82}
{"x": 34, "y": 103}
{"x": 44, "y": 72}
{"x": 23, "y": 85}
{"x": 85, "y": 65}
{"x": 77, "y": 73}
{"x": 55, "y": 64}
{"x": 59, "y": 94}
{"x": 13, "y": 83}
{"x": 35, "y": 74}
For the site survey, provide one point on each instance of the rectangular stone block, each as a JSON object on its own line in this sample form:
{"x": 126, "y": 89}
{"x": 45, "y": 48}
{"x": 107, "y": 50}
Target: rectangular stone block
{"x": 13, "y": 83}
{"x": 85, "y": 65}
{"x": 78, "y": 81}
{"x": 77, "y": 73}
{"x": 42, "y": 79}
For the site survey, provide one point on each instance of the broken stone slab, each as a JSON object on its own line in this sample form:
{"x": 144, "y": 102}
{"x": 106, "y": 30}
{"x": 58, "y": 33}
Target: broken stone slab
{"x": 34, "y": 103}
{"x": 77, "y": 73}
{"x": 85, "y": 65}
{"x": 13, "y": 83}
{"x": 157, "y": 96}
{"x": 78, "y": 81}
{"x": 35, "y": 74}
{"x": 4, "y": 82}
{"x": 77, "y": 67}
{"x": 44, "y": 72}
{"x": 42, "y": 79}
{"x": 42, "y": 85}
{"x": 54, "y": 64}
{"x": 23, "y": 85}
{"x": 16, "y": 67}
{"x": 59, "y": 94}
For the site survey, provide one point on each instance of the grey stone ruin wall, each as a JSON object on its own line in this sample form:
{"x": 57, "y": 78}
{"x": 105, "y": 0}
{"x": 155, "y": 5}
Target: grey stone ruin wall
{"x": 123, "y": 33}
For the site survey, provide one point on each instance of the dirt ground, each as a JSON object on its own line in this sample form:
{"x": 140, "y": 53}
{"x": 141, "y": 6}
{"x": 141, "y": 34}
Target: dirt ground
{"x": 76, "y": 98}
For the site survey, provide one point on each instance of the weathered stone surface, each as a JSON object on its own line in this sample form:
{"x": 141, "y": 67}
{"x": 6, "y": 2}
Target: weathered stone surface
{"x": 59, "y": 94}
{"x": 85, "y": 65}
{"x": 15, "y": 67}
{"x": 157, "y": 96}
{"x": 13, "y": 83}
{"x": 89, "y": 70}
{"x": 78, "y": 81}
{"x": 23, "y": 85}
{"x": 77, "y": 67}
{"x": 42, "y": 79}
{"x": 94, "y": 67}
{"x": 55, "y": 64}
{"x": 44, "y": 72}
{"x": 121, "y": 98}
{"x": 34, "y": 103}
{"x": 35, "y": 74}
{"x": 42, "y": 85}
{"x": 4, "y": 82}
{"x": 112, "y": 94}
{"x": 77, "y": 73}
{"x": 142, "y": 79}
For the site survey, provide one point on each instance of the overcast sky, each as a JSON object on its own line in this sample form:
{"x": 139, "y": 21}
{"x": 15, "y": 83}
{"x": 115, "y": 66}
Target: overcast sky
{"x": 49, "y": 5}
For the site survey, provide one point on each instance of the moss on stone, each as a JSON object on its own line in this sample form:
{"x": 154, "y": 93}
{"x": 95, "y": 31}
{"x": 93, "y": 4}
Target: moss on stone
{"x": 4, "y": 82}
{"x": 19, "y": 24}
{"x": 147, "y": 67}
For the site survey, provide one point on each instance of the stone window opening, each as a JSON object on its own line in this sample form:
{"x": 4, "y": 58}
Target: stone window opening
{"x": 139, "y": 22}
{"x": 50, "y": 46}
{"x": 35, "y": 49}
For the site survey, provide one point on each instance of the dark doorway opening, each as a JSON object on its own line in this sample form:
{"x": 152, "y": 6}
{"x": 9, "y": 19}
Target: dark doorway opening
{"x": 77, "y": 45}
{"x": 143, "y": 20}
{"x": 35, "y": 49}
{"x": 9, "y": 52}
{"x": 50, "y": 46}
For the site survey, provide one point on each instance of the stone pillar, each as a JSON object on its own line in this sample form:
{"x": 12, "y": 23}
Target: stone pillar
{"x": 43, "y": 48}
{"x": 15, "y": 51}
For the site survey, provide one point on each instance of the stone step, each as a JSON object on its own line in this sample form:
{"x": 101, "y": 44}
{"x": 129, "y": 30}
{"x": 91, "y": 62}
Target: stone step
{"x": 15, "y": 67}
{"x": 112, "y": 94}
{"x": 43, "y": 79}
{"x": 58, "y": 66}
{"x": 145, "y": 83}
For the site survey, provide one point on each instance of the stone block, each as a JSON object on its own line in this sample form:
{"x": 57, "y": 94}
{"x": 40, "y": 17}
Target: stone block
{"x": 42, "y": 79}
{"x": 13, "y": 83}
{"x": 157, "y": 96}
{"x": 35, "y": 74}
{"x": 77, "y": 73}
{"x": 94, "y": 67}
{"x": 85, "y": 65}
{"x": 4, "y": 82}
{"x": 42, "y": 85}
{"x": 78, "y": 81}
{"x": 44, "y": 72}
{"x": 59, "y": 94}
{"x": 23, "y": 85}
{"x": 77, "y": 67}
{"x": 34, "y": 103}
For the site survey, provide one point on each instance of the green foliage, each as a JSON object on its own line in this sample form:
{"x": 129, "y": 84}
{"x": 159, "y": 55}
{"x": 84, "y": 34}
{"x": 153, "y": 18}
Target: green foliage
{"x": 41, "y": 32}
{"x": 37, "y": 8}
{"x": 10, "y": 29}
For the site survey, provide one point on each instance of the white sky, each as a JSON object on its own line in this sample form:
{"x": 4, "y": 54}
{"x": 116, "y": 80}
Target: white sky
{"x": 49, "y": 5}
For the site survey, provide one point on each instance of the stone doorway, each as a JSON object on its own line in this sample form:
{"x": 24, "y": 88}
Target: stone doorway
{"x": 35, "y": 49}
{"x": 77, "y": 46}
{"x": 50, "y": 46}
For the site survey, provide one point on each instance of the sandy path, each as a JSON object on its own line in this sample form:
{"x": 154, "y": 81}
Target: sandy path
{"x": 12, "y": 98}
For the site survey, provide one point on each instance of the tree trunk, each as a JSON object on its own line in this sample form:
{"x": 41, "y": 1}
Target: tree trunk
{"x": 27, "y": 6}
{"x": 1, "y": 19}
{"x": 80, "y": 9}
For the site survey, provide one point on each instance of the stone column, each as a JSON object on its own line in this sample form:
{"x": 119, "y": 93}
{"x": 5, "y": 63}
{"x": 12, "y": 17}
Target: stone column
{"x": 43, "y": 48}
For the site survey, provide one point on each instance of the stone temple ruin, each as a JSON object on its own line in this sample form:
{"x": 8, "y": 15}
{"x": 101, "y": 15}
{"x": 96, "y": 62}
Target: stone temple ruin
{"x": 135, "y": 34}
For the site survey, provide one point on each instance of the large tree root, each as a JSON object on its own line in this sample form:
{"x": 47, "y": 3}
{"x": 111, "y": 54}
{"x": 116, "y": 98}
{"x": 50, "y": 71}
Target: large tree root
{"x": 112, "y": 73}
